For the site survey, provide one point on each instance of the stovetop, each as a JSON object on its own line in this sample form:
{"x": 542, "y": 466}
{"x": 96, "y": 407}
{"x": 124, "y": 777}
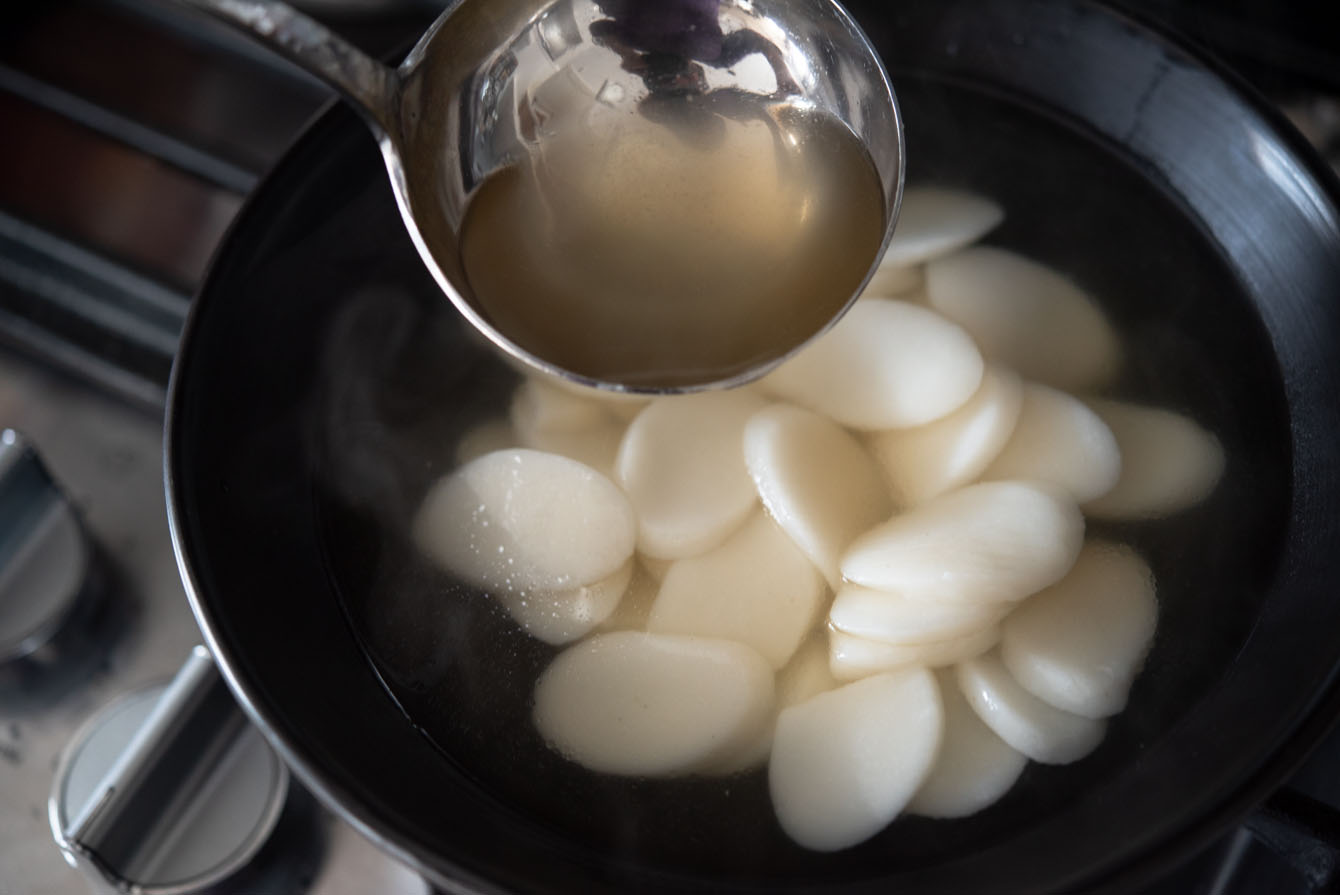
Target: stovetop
{"x": 107, "y": 456}
{"x": 130, "y": 133}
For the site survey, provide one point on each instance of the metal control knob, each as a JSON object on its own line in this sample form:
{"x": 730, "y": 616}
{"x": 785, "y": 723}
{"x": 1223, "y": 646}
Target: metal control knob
{"x": 168, "y": 790}
{"x": 45, "y": 558}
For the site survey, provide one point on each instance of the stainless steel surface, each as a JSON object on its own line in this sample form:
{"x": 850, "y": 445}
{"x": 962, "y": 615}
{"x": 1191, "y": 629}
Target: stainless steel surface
{"x": 108, "y": 457}
{"x": 455, "y": 110}
{"x": 175, "y": 801}
{"x": 44, "y": 558}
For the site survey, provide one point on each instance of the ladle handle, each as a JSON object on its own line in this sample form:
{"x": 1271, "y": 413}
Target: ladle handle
{"x": 371, "y": 86}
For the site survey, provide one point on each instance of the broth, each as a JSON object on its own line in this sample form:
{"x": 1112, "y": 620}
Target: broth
{"x": 650, "y": 256}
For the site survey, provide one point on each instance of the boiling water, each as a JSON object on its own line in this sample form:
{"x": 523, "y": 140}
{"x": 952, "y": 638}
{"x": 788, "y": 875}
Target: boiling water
{"x": 676, "y": 247}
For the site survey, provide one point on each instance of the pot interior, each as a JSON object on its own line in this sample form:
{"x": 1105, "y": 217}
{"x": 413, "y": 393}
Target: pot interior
{"x": 325, "y": 384}
{"x": 463, "y": 672}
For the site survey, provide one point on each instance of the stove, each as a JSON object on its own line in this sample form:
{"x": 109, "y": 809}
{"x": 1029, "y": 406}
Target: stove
{"x": 130, "y": 133}
{"x": 124, "y": 170}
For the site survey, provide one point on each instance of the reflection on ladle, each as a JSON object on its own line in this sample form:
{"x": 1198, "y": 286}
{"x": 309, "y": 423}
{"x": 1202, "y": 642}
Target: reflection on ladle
{"x": 667, "y": 45}
{"x": 640, "y": 196}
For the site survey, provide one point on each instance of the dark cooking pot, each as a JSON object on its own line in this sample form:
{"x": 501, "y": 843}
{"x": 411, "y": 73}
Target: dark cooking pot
{"x": 322, "y": 383}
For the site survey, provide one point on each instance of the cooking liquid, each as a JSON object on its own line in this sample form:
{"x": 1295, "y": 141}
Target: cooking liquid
{"x": 676, "y": 251}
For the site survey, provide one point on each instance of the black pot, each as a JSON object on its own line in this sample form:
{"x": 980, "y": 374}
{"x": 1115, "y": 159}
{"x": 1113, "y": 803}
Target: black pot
{"x": 322, "y": 383}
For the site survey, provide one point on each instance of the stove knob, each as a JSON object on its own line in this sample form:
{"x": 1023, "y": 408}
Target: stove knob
{"x": 168, "y": 790}
{"x": 45, "y": 560}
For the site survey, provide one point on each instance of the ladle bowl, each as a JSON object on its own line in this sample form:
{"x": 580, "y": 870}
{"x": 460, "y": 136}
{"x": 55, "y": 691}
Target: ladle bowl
{"x": 491, "y": 82}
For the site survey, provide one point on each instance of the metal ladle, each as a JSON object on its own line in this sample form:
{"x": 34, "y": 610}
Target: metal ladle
{"x": 470, "y": 100}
